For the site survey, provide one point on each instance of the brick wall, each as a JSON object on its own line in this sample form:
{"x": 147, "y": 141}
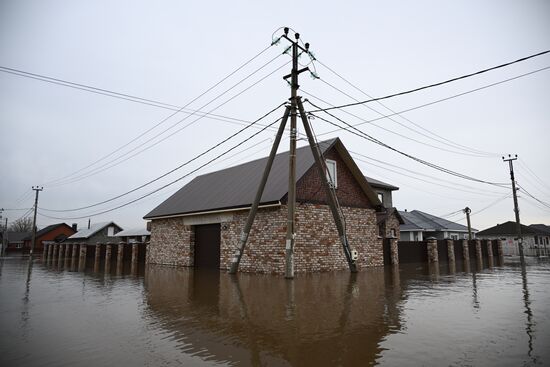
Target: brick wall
{"x": 349, "y": 193}
{"x": 392, "y": 223}
{"x": 317, "y": 248}
{"x": 171, "y": 243}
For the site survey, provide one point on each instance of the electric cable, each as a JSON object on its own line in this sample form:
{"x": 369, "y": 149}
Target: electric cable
{"x": 168, "y": 117}
{"x": 172, "y": 170}
{"x": 457, "y": 145}
{"x": 376, "y": 141}
{"x": 168, "y": 184}
{"x": 445, "y": 99}
{"x": 112, "y": 164}
{"x": 436, "y": 84}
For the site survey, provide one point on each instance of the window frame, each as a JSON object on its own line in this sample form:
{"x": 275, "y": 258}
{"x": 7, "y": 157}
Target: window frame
{"x": 333, "y": 181}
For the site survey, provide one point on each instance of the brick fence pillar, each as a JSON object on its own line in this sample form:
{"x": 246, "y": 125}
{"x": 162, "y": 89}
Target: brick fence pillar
{"x": 50, "y": 251}
{"x": 135, "y": 249}
{"x": 465, "y": 250}
{"x": 44, "y": 250}
{"x": 108, "y": 252}
{"x": 394, "y": 248}
{"x": 490, "y": 248}
{"x": 75, "y": 249}
{"x": 120, "y": 252}
{"x": 433, "y": 256}
{"x": 500, "y": 247}
{"x": 61, "y": 251}
{"x": 479, "y": 254}
{"x": 82, "y": 257}
{"x": 55, "y": 251}
{"x": 451, "y": 251}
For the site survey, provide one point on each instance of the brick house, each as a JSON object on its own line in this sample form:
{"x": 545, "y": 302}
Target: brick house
{"x": 200, "y": 224}
{"x": 54, "y": 232}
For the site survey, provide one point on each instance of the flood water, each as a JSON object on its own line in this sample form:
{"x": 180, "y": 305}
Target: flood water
{"x": 51, "y": 315}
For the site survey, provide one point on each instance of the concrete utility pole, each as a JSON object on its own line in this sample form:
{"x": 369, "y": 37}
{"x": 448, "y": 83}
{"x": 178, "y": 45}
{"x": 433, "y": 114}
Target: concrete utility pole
{"x": 516, "y": 207}
{"x": 37, "y": 189}
{"x": 468, "y": 211}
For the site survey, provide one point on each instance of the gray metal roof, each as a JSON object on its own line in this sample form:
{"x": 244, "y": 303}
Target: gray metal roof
{"x": 94, "y": 228}
{"x": 133, "y": 232}
{"x": 419, "y": 221}
{"x": 236, "y": 186}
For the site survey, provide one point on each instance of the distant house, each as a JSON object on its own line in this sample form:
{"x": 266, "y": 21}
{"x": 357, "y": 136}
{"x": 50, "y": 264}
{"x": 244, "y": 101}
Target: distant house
{"x": 16, "y": 241}
{"x": 419, "y": 225}
{"x": 55, "y": 233}
{"x": 200, "y": 225}
{"x": 533, "y": 236}
{"x": 134, "y": 235}
{"x": 543, "y": 236}
{"x": 97, "y": 233}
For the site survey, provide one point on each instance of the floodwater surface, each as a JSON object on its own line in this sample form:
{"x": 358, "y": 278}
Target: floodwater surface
{"x": 51, "y": 315}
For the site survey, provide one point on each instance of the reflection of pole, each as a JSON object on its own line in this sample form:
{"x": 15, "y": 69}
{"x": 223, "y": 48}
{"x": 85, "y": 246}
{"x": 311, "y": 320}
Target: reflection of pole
{"x": 516, "y": 207}
{"x": 256, "y": 358}
{"x": 527, "y": 303}
{"x": 474, "y": 287}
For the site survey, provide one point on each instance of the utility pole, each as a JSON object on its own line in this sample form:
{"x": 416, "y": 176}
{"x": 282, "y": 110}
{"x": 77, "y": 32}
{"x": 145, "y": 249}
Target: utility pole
{"x": 468, "y": 211}
{"x": 4, "y": 234}
{"x": 516, "y": 207}
{"x": 37, "y": 189}
{"x": 292, "y": 110}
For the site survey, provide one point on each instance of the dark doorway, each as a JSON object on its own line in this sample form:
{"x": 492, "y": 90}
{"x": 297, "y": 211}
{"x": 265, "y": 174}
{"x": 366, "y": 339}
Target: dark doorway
{"x": 207, "y": 246}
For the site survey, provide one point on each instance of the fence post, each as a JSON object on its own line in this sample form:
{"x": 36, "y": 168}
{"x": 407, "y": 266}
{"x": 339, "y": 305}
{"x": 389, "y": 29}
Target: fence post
{"x": 433, "y": 256}
{"x": 451, "y": 256}
{"x": 82, "y": 259}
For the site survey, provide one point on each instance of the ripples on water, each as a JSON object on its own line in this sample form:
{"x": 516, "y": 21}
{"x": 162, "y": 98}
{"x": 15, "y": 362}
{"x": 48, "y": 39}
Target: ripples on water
{"x": 52, "y": 316}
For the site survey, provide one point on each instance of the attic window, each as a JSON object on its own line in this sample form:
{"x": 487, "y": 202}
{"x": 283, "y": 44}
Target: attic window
{"x": 381, "y": 197}
{"x": 332, "y": 175}
{"x": 110, "y": 231}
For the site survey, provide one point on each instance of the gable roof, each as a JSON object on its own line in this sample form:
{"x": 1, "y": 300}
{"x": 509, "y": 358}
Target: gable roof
{"x": 542, "y": 228}
{"x": 416, "y": 220}
{"x": 235, "y": 187}
{"x": 47, "y": 229}
{"x": 377, "y": 183}
{"x": 94, "y": 228}
{"x": 383, "y": 216}
{"x": 507, "y": 228}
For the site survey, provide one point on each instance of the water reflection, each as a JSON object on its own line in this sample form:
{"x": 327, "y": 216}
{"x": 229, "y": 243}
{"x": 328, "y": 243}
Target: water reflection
{"x": 321, "y": 316}
{"x": 401, "y": 315}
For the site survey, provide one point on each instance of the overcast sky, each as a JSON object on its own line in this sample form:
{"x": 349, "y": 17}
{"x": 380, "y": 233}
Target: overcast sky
{"x": 173, "y": 51}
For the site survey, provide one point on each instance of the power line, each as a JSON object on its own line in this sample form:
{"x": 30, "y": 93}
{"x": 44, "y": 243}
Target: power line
{"x": 170, "y": 183}
{"x": 172, "y": 170}
{"x": 174, "y": 113}
{"x": 376, "y": 141}
{"x": 488, "y": 206}
{"x": 547, "y": 205}
{"x": 466, "y": 148}
{"x": 478, "y": 191}
{"x": 393, "y": 132}
{"x": 436, "y": 84}
{"x": 108, "y": 165}
{"x": 443, "y": 99}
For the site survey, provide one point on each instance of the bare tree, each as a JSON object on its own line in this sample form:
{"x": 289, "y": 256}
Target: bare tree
{"x": 21, "y": 225}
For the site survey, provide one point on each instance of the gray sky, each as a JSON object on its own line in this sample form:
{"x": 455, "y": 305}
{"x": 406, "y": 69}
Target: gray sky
{"x": 172, "y": 51}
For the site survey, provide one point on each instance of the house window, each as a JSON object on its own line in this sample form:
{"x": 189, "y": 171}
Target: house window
{"x": 454, "y": 236}
{"x": 381, "y": 197}
{"x": 111, "y": 231}
{"x": 332, "y": 176}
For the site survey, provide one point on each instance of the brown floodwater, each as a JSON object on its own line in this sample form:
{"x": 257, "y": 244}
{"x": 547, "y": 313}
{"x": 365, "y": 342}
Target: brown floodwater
{"x": 55, "y": 315}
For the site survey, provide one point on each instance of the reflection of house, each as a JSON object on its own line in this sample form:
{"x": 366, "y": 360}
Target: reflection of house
{"x": 201, "y": 224}
{"x": 16, "y": 241}
{"x": 419, "y": 226}
{"x": 228, "y": 320}
{"x": 532, "y": 236}
{"x": 55, "y": 233}
{"x": 134, "y": 235}
{"x": 97, "y": 233}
